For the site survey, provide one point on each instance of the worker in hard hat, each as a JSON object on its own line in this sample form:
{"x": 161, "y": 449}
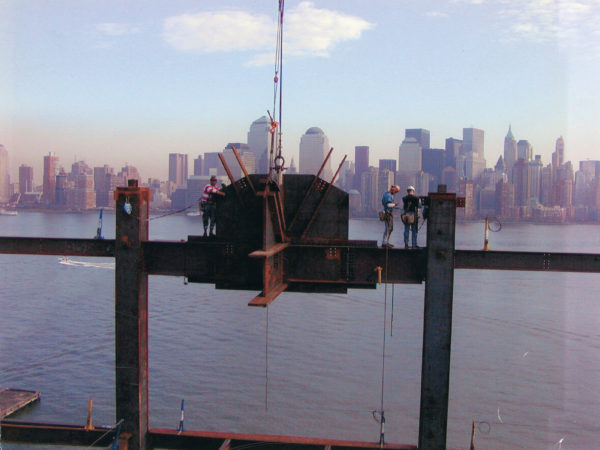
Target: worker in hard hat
{"x": 208, "y": 205}
{"x": 388, "y": 206}
{"x": 410, "y": 216}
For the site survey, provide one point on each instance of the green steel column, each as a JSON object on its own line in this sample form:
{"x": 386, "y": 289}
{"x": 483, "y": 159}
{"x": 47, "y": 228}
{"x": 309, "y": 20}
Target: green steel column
{"x": 437, "y": 322}
{"x": 131, "y": 312}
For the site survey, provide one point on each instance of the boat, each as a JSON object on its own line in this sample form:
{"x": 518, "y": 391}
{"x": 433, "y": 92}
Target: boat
{"x": 7, "y": 212}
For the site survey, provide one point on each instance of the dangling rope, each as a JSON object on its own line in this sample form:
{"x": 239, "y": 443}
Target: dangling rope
{"x": 382, "y": 421}
{"x": 276, "y": 161}
{"x": 267, "y": 361}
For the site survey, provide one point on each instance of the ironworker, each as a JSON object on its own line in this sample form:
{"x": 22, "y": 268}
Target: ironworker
{"x": 388, "y": 218}
{"x": 410, "y": 216}
{"x": 208, "y": 205}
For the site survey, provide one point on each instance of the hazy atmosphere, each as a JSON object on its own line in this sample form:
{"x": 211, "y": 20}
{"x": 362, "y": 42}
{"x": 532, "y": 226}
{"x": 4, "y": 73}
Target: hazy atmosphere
{"x": 115, "y": 82}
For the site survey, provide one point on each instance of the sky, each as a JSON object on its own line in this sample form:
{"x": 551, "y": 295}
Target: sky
{"x": 129, "y": 81}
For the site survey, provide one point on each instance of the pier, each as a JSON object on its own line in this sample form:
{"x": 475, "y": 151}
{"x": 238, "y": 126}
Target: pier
{"x": 288, "y": 236}
{"x": 13, "y": 400}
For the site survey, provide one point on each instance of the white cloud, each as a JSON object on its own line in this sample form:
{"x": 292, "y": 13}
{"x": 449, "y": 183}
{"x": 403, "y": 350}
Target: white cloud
{"x": 307, "y": 31}
{"x": 117, "y": 29}
{"x": 436, "y": 14}
{"x": 219, "y": 31}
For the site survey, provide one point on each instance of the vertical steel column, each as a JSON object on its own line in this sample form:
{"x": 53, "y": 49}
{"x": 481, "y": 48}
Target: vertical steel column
{"x": 437, "y": 322}
{"x": 131, "y": 312}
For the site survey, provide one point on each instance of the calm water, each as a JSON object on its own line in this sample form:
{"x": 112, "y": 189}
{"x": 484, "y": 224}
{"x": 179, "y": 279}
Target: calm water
{"x": 525, "y": 361}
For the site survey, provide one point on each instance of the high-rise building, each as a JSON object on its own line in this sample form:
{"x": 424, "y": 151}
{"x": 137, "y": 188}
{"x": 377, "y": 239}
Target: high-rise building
{"x": 245, "y": 154}
{"x": 384, "y": 182}
{"x": 505, "y": 199}
{"x": 369, "y": 189}
{"x": 85, "y": 196}
{"x": 510, "y": 151}
{"x": 420, "y": 134}
{"x": 314, "y": 146}
{"x": 521, "y": 182}
{"x": 259, "y": 142}
{"x": 558, "y": 157}
{"x": 4, "y": 175}
{"x": 389, "y": 164}
{"x": 198, "y": 165}
{"x": 361, "y": 163}
{"x": 433, "y": 161}
{"x": 62, "y": 189}
{"x": 25, "y": 179}
{"x": 49, "y": 179}
{"x": 535, "y": 178}
{"x": 212, "y": 164}
{"x": 178, "y": 168}
{"x": 129, "y": 173}
{"x": 473, "y": 152}
{"x": 524, "y": 150}
{"x": 409, "y": 156}
{"x": 453, "y": 150}
{"x": 101, "y": 184}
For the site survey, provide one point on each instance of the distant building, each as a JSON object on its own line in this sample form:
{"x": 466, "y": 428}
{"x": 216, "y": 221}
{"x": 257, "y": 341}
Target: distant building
{"x": 369, "y": 190}
{"x": 473, "y": 152}
{"x": 433, "y": 161}
{"x": 178, "y": 168}
{"x": 314, "y": 146}
{"x": 450, "y": 179}
{"x": 524, "y": 150}
{"x": 504, "y": 201}
{"x": 453, "y": 150}
{"x": 85, "y": 196}
{"x": 258, "y": 143}
{"x": 25, "y": 179}
{"x": 510, "y": 152}
{"x": 521, "y": 182}
{"x": 49, "y": 179}
{"x": 421, "y": 135}
{"x": 4, "y": 175}
{"x": 558, "y": 157}
{"x": 198, "y": 165}
{"x": 409, "y": 156}
{"x": 102, "y": 184}
{"x": 243, "y": 149}
{"x": 361, "y": 164}
{"x": 388, "y": 164}
{"x": 212, "y": 161}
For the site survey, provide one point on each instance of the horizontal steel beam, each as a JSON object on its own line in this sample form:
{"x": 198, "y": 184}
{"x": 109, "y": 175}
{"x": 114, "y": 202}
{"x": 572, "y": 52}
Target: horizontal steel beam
{"x": 533, "y": 261}
{"x": 58, "y": 434}
{"x": 57, "y": 246}
{"x": 164, "y": 438}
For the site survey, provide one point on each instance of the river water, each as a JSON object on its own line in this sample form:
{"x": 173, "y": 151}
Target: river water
{"x": 525, "y": 355}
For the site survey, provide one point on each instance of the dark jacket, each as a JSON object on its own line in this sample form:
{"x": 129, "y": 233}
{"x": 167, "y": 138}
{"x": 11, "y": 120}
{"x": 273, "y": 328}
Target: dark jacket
{"x": 411, "y": 203}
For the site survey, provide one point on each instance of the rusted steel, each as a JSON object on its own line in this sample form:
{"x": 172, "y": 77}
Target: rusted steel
{"x": 160, "y": 438}
{"x": 437, "y": 322}
{"x": 131, "y": 314}
{"x": 243, "y": 167}
{"x": 57, "y": 246}
{"x": 60, "y": 434}
{"x": 231, "y": 177}
{"x": 323, "y": 198}
{"x": 534, "y": 261}
{"x": 12, "y": 400}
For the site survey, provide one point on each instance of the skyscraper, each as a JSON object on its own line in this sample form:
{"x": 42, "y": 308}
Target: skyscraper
{"x": 524, "y": 150}
{"x": 258, "y": 142}
{"x": 558, "y": 157}
{"x": 25, "y": 179}
{"x": 4, "y": 175}
{"x": 49, "y": 179}
{"x": 420, "y": 134}
{"x": 473, "y": 152}
{"x": 178, "y": 168}
{"x": 198, "y": 165}
{"x": 314, "y": 146}
{"x": 389, "y": 164}
{"x": 409, "y": 156}
{"x": 510, "y": 152}
{"x": 453, "y": 150}
{"x": 361, "y": 163}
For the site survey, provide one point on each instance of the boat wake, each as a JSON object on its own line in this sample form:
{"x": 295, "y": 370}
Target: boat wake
{"x": 98, "y": 265}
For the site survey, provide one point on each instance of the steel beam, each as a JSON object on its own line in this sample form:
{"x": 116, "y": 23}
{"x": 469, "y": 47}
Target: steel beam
{"x": 57, "y": 246}
{"x": 534, "y": 261}
{"x": 437, "y": 322}
{"x": 131, "y": 312}
{"x": 55, "y": 434}
{"x": 165, "y": 438}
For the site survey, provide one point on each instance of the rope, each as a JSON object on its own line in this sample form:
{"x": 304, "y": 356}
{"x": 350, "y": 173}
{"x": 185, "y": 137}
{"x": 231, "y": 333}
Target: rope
{"x": 275, "y": 150}
{"x": 104, "y": 434}
{"x": 170, "y": 213}
{"x": 382, "y": 422}
{"x": 267, "y": 361}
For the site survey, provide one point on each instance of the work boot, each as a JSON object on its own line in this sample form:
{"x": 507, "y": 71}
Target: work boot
{"x": 405, "y": 246}
{"x": 204, "y": 235}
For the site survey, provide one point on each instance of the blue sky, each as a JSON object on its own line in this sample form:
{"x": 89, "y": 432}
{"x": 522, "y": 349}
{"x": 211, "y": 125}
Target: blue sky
{"x": 129, "y": 81}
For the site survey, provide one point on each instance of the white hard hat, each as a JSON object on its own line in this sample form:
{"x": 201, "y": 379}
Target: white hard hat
{"x": 410, "y": 188}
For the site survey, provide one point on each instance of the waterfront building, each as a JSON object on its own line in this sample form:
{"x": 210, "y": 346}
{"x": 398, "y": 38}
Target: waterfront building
{"x": 346, "y": 177}
{"x": 49, "y": 179}
{"x": 178, "y": 168}
{"x": 466, "y": 190}
{"x": 504, "y": 202}
{"x": 521, "y": 182}
{"x": 355, "y": 203}
{"x": 421, "y": 135}
{"x": 546, "y": 188}
{"x": 85, "y": 196}
{"x": 243, "y": 149}
{"x": 259, "y": 142}
{"x": 473, "y": 141}
{"x": 535, "y": 178}
{"x": 102, "y": 184}
{"x": 4, "y": 175}
{"x": 314, "y": 146}
{"x": 472, "y": 151}
{"x": 510, "y": 152}
{"x": 409, "y": 156}
{"x": 385, "y": 181}
{"x": 129, "y": 173}
{"x": 361, "y": 163}
{"x": 25, "y": 179}
{"x": 450, "y": 178}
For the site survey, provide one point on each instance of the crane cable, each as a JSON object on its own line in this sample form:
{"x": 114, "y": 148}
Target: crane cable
{"x": 276, "y": 160}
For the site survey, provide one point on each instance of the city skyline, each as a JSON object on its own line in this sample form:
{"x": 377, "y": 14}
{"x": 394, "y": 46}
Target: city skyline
{"x": 130, "y": 82}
